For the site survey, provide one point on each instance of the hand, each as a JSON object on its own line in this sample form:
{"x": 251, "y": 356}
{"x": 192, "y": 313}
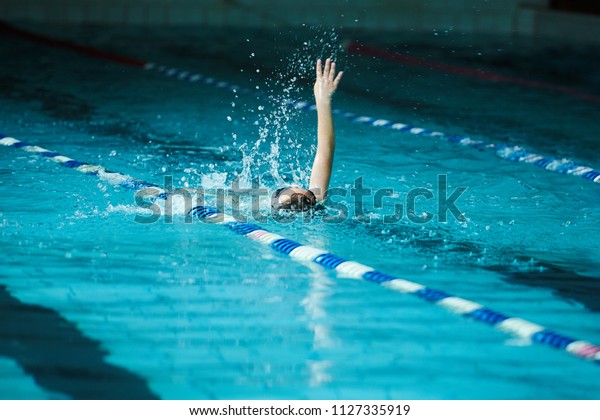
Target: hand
{"x": 327, "y": 82}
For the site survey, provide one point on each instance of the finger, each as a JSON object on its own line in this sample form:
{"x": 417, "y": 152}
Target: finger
{"x": 327, "y": 67}
{"x": 319, "y": 69}
{"x": 338, "y": 78}
{"x": 332, "y": 72}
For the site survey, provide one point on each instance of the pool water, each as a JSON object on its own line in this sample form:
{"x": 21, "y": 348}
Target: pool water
{"x": 95, "y": 305}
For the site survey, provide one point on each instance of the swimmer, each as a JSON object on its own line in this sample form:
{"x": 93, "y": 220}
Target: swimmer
{"x": 294, "y": 197}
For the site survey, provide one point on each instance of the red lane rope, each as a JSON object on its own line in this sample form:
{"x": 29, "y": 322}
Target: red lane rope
{"x": 355, "y": 48}
{"x": 59, "y": 43}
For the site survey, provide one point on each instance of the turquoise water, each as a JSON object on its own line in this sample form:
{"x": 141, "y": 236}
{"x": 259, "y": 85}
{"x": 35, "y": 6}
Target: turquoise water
{"x": 95, "y": 305}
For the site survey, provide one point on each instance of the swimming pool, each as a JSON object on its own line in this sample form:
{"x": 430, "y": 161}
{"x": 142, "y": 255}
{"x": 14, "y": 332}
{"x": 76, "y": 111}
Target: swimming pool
{"x": 96, "y": 305}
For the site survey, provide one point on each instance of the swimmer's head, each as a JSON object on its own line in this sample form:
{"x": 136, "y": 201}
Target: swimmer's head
{"x": 294, "y": 198}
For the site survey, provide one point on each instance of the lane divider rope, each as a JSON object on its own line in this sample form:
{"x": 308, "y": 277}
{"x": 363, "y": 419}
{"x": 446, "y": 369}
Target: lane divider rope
{"x": 511, "y": 325}
{"x": 114, "y": 178}
{"x": 371, "y": 51}
{"x": 61, "y": 43}
{"x": 505, "y": 151}
{"x": 470, "y": 309}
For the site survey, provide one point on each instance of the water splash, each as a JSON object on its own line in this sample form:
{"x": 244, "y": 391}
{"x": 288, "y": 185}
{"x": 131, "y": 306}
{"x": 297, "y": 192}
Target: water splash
{"x": 283, "y": 152}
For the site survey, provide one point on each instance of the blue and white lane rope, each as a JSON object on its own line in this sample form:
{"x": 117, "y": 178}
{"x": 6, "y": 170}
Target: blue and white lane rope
{"x": 511, "y": 325}
{"x": 504, "y": 151}
{"x": 114, "y": 178}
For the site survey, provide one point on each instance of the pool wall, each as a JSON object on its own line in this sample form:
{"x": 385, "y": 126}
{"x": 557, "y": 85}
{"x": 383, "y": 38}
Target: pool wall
{"x": 532, "y": 19}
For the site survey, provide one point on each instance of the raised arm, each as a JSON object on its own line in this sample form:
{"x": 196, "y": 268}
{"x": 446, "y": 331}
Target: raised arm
{"x": 326, "y": 83}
